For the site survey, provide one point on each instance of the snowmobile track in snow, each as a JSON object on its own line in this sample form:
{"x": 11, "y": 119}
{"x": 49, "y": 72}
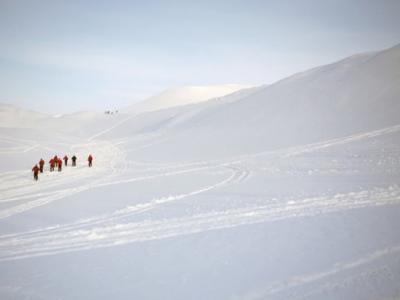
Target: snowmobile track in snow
{"x": 96, "y": 232}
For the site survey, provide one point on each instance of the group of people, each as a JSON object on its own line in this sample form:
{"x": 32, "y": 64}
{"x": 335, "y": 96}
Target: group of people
{"x": 56, "y": 162}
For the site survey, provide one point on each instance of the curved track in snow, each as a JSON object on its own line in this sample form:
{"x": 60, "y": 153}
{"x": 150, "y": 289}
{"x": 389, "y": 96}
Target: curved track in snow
{"x": 78, "y": 236}
{"x": 103, "y": 231}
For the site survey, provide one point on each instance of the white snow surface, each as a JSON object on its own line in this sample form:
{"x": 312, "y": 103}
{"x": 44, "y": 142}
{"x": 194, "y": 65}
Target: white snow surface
{"x": 286, "y": 191}
{"x": 15, "y": 117}
{"x": 183, "y": 96}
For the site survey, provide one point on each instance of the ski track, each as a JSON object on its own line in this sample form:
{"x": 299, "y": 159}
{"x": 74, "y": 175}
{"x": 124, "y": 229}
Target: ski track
{"x": 18, "y": 150}
{"x": 98, "y": 174}
{"x": 91, "y": 138}
{"x": 62, "y": 240}
{"x": 101, "y": 182}
{"x": 11, "y": 190}
{"x": 97, "y": 232}
{"x": 237, "y": 176}
{"x": 334, "y": 274}
{"x": 22, "y": 146}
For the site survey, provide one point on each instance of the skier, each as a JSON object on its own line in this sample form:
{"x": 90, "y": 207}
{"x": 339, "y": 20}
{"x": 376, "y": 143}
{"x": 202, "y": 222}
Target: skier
{"x": 51, "y": 163}
{"x": 66, "y": 160}
{"x": 74, "y": 160}
{"x": 59, "y": 163}
{"x": 35, "y": 171}
{"x": 90, "y": 159}
{"x": 41, "y": 164}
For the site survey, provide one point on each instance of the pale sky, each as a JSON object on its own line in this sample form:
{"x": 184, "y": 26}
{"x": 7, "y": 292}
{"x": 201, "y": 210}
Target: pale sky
{"x": 64, "y": 56}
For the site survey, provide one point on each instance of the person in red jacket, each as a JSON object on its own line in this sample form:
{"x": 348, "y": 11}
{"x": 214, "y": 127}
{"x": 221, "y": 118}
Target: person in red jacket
{"x": 65, "y": 160}
{"x": 59, "y": 163}
{"x": 90, "y": 159}
{"x": 55, "y": 160}
{"x": 35, "y": 171}
{"x": 41, "y": 164}
{"x": 52, "y": 164}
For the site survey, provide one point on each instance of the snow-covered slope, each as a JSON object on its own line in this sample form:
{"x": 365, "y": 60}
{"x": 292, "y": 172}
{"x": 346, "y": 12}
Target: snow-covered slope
{"x": 288, "y": 191}
{"x": 15, "y": 120}
{"x": 16, "y": 117}
{"x": 183, "y": 96}
{"x": 356, "y": 94}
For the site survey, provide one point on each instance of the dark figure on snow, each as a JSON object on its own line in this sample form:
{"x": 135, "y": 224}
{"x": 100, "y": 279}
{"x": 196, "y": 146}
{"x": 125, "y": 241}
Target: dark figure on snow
{"x": 35, "y": 171}
{"x": 90, "y": 159}
{"x": 74, "y": 160}
{"x": 65, "y": 160}
{"x": 41, "y": 164}
{"x": 52, "y": 164}
{"x": 59, "y": 163}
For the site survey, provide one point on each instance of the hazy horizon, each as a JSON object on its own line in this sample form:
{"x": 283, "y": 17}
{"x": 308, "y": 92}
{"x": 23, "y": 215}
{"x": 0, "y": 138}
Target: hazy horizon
{"x": 64, "y": 57}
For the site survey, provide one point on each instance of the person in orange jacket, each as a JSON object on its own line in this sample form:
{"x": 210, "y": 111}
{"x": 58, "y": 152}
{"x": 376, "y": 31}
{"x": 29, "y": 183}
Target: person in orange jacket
{"x": 41, "y": 164}
{"x": 35, "y": 171}
{"x": 90, "y": 159}
{"x": 52, "y": 164}
{"x": 55, "y": 160}
{"x": 59, "y": 163}
{"x": 65, "y": 160}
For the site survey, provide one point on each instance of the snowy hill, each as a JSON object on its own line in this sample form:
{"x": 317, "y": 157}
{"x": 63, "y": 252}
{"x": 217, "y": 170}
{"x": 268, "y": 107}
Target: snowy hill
{"x": 356, "y": 94}
{"x": 15, "y": 120}
{"x": 183, "y": 96}
{"x": 16, "y": 117}
{"x": 287, "y": 191}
